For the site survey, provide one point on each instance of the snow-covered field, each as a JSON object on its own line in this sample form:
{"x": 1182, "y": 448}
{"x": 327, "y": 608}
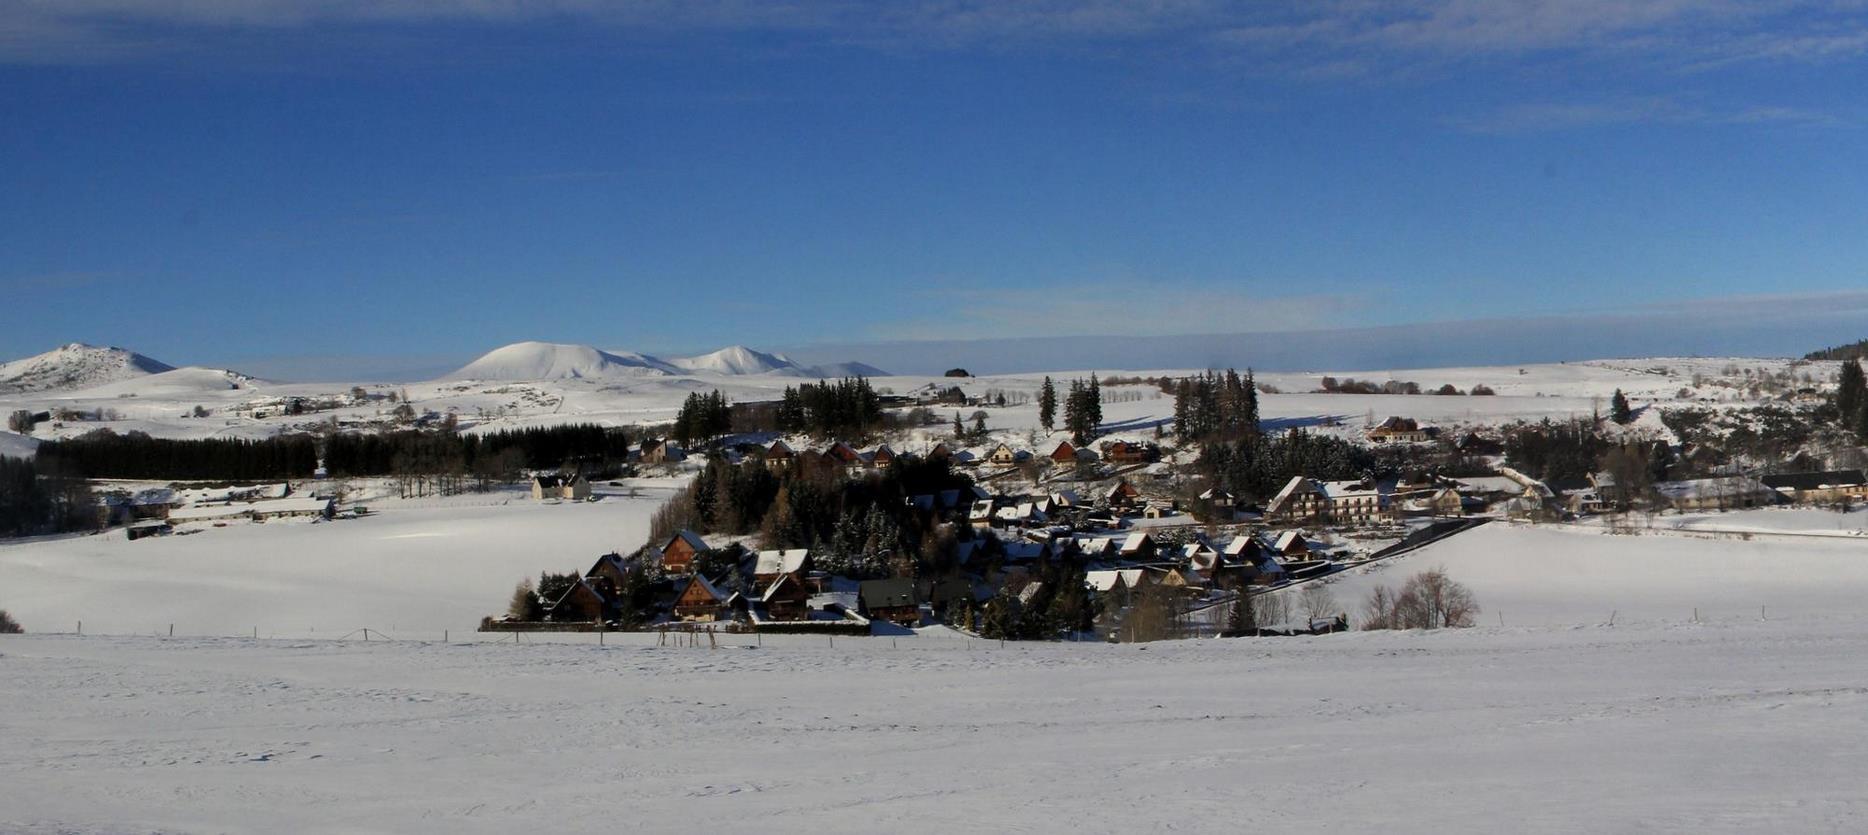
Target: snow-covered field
{"x": 581, "y": 384}
{"x": 414, "y": 568}
{"x": 1583, "y": 575}
{"x": 1731, "y": 727}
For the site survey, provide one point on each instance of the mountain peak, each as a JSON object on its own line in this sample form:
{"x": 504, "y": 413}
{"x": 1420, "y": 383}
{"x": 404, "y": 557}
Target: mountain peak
{"x": 75, "y": 366}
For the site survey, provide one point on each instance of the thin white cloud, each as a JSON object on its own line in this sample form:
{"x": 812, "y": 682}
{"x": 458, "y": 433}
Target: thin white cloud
{"x": 1129, "y": 308}
{"x": 1538, "y": 117}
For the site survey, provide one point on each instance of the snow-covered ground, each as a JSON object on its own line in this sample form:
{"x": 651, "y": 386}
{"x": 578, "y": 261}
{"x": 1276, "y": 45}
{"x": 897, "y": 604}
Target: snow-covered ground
{"x": 1583, "y": 575}
{"x": 1731, "y": 727}
{"x": 621, "y": 389}
{"x": 413, "y": 568}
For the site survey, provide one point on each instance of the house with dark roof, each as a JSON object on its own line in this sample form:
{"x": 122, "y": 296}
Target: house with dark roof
{"x": 1398, "y": 430}
{"x": 679, "y": 552}
{"x": 700, "y": 601}
{"x": 1827, "y": 487}
{"x": 891, "y": 600}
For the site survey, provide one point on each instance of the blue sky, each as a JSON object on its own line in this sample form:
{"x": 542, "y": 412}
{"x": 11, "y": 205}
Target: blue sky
{"x": 327, "y": 184}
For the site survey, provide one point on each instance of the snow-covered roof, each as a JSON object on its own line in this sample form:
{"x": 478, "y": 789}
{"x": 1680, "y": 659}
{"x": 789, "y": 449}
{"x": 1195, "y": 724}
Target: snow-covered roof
{"x": 1712, "y": 488}
{"x": 781, "y": 562}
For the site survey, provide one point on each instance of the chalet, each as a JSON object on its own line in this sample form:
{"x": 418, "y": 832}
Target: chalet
{"x": 772, "y": 565}
{"x": 610, "y": 570}
{"x": 555, "y": 486}
{"x": 1291, "y": 545}
{"x": 786, "y": 598}
{"x": 1104, "y": 582}
{"x": 1137, "y": 546}
{"x": 679, "y": 552}
{"x": 580, "y": 603}
{"x": 940, "y": 450}
{"x": 981, "y": 513}
{"x": 661, "y": 451}
{"x": 779, "y": 455}
{"x": 883, "y": 458}
{"x": 1716, "y": 493}
{"x": 1833, "y": 486}
{"x": 700, "y": 601}
{"x": 1308, "y": 501}
{"x": 845, "y": 456}
{"x": 1398, "y": 430}
{"x": 1002, "y": 455}
{"x": 1122, "y": 495}
{"x": 1446, "y": 502}
{"x": 1065, "y": 455}
{"x": 1130, "y": 452}
{"x": 890, "y": 600}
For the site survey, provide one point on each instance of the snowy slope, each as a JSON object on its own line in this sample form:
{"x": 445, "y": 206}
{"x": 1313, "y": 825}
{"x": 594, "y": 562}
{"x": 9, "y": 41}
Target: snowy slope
{"x": 735, "y": 359}
{"x": 180, "y": 382}
{"x": 73, "y": 367}
{"x": 1574, "y": 576}
{"x": 1754, "y": 727}
{"x": 411, "y": 567}
{"x": 14, "y": 445}
{"x": 552, "y": 361}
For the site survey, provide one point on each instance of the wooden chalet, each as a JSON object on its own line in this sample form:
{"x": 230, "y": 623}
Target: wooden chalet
{"x": 1065, "y": 455}
{"x": 883, "y": 458}
{"x": 700, "y": 601}
{"x": 1003, "y": 455}
{"x": 786, "y": 598}
{"x": 891, "y": 600}
{"x": 582, "y": 603}
{"x": 679, "y": 552}
{"x": 845, "y": 456}
{"x": 1122, "y": 495}
{"x": 1130, "y": 452}
{"x": 779, "y": 455}
{"x": 771, "y": 565}
{"x": 1398, "y": 430}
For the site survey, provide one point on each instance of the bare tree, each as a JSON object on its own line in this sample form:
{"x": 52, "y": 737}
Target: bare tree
{"x": 1317, "y": 602}
{"x": 1428, "y": 600}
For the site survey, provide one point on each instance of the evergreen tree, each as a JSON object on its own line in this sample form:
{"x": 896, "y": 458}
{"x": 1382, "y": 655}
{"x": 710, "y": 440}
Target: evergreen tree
{"x": 1851, "y": 392}
{"x": 1619, "y": 411}
{"x": 1243, "y": 619}
{"x": 1047, "y": 405}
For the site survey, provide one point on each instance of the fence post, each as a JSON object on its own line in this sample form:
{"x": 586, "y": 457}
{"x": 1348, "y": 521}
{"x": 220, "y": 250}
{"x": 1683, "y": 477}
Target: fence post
{"x": 444, "y": 636}
{"x": 599, "y": 637}
{"x": 81, "y": 627}
{"x": 171, "y": 630}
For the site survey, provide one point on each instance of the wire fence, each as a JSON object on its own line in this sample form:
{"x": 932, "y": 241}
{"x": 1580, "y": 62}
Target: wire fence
{"x": 684, "y": 638}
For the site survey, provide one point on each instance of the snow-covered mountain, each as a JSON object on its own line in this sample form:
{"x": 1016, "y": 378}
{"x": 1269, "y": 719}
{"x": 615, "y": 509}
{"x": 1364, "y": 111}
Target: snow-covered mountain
{"x": 551, "y": 361}
{"x": 735, "y": 359}
{"x": 75, "y": 366}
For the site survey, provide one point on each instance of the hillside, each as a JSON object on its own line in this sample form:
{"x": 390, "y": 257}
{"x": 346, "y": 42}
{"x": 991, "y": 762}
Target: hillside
{"x": 73, "y": 367}
{"x": 552, "y": 361}
{"x": 1851, "y": 351}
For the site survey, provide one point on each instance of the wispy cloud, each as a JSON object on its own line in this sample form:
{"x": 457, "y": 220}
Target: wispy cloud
{"x": 1537, "y": 117}
{"x": 43, "y": 282}
{"x": 1115, "y": 307}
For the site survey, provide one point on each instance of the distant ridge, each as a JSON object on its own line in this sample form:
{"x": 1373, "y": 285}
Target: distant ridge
{"x": 555, "y": 361}
{"x": 1851, "y": 351}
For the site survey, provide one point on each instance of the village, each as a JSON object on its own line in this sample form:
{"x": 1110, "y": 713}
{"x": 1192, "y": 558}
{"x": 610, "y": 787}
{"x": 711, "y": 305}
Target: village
{"x": 1115, "y": 540}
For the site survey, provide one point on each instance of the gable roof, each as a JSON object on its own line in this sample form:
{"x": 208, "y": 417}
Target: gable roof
{"x": 782, "y": 561}
{"x": 887, "y": 594}
{"x": 693, "y": 540}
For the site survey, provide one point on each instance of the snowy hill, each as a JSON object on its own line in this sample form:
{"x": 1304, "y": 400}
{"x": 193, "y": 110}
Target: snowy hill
{"x": 75, "y": 366}
{"x": 739, "y": 360}
{"x": 551, "y": 361}
{"x": 533, "y": 361}
{"x": 736, "y": 359}
{"x": 179, "y": 382}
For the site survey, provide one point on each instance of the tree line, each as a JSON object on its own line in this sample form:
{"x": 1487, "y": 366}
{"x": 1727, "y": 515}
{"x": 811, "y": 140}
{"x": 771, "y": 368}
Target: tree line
{"x": 38, "y": 497}
{"x": 495, "y": 455}
{"x": 1216, "y": 407}
{"x": 1258, "y": 466}
{"x": 846, "y": 408}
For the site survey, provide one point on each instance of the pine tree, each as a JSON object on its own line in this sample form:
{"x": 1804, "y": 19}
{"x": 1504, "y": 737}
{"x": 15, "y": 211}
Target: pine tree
{"x": 959, "y": 428}
{"x": 1047, "y": 405}
{"x": 1851, "y": 393}
{"x": 1243, "y": 619}
{"x": 1619, "y": 411}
